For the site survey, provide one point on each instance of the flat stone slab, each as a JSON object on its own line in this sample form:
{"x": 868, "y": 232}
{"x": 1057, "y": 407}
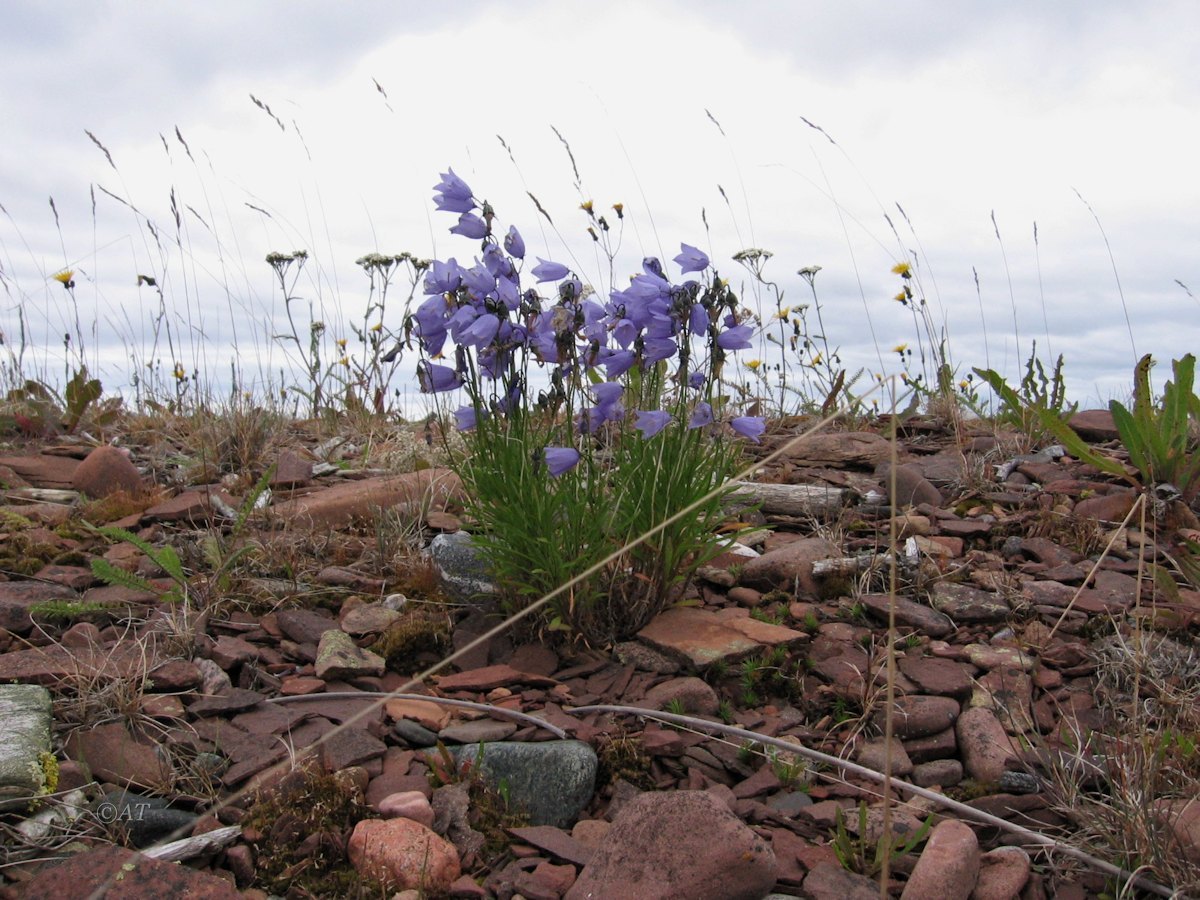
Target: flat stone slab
{"x": 702, "y": 637}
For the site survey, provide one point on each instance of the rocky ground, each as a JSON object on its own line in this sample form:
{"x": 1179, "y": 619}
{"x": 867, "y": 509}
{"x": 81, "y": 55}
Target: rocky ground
{"x": 242, "y": 710}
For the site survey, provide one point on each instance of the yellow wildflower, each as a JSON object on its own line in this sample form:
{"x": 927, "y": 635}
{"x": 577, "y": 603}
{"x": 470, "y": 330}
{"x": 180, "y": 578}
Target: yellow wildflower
{"x": 904, "y": 270}
{"x": 782, "y": 313}
{"x": 378, "y": 326}
{"x": 620, "y": 208}
{"x": 179, "y": 373}
{"x": 753, "y": 364}
{"x": 341, "y": 342}
{"x": 900, "y": 348}
{"x": 586, "y": 206}
{"x": 816, "y": 361}
{"x": 901, "y": 297}
{"x": 964, "y": 384}
{"x": 66, "y": 278}
{"x": 344, "y": 362}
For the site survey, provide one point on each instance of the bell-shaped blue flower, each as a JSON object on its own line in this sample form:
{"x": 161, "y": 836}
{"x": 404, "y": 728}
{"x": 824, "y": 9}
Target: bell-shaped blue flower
{"x": 435, "y": 379}
{"x": 513, "y": 243}
{"x": 560, "y": 459}
{"x": 470, "y": 226}
{"x": 453, "y": 194}
{"x": 465, "y": 419}
{"x": 546, "y": 270}
{"x": 651, "y": 422}
{"x": 691, "y": 259}
{"x": 702, "y": 415}
{"x": 750, "y": 427}
{"x": 736, "y": 338}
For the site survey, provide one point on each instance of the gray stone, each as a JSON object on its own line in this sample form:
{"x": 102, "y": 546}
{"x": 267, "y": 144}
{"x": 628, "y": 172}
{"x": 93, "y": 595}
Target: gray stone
{"x": 413, "y": 734}
{"x": 480, "y": 730}
{"x": 145, "y": 820}
{"x": 339, "y": 657}
{"x": 25, "y": 712}
{"x": 553, "y": 780}
{"x": 463, "y": 568}
{"x": 964, "y": 603}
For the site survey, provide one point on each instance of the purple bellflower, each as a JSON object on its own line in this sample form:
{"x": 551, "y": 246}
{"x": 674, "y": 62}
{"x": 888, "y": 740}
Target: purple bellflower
{"x": 560, "y": 459}
{"x": 750, "y": 427}
{"x": 435, "y": 379}
{"x": 546, "y": 270}
{"x": 453, "y": 194}
{"x": 736, "y": 338}
{"x": 702, "y": 415}
{"x": 513, "y": 243}
{"x": 471, "y": 226}
{"x": 650, "y": 422}
{"x": 691, "y": 259}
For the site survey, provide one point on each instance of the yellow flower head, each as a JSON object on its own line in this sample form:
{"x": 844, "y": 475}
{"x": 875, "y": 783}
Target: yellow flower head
{"x": 179, "y": 373}
{"x": 586, "y": 206}
{"x": 378, "y": 326}
{"x": 620, "y": 208}
{"x": 964, "y": 384}
{"x": 904, "y": 270}
{"x": 816, "y": 360}
{"x": 66, "y": 277}
{"x": 753, "y": 364}
{"x": 782, "y": 313}
{"x": 341, "y": 342}
{"x": 344, "y": 362}
{"x": 901, "y": 297}
{"x": 900, "y": 348}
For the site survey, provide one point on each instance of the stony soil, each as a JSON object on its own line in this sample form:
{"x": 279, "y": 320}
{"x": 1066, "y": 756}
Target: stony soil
{"x": 1008, "y": 678}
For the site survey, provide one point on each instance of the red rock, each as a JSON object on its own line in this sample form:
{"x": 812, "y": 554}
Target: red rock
{"x": 1003, "y": 873}
{"x": 554, "y": 841}
{"x": 194, "y": 507}
{"x": 861, "y": 449}
{"x": 119, "y": 873}
{"x": 490, "y": 677}
{"x": 694, "y": 694}
{"x": 105, "y": 471}
{"x": 113, "y": 755}
{"x": 16, "y": 597}
{"x": 1183, "y": 817}
{"x": 666, "y": 845}
{"x": 1094, "y": 425}
{"x": 938, "y": 676}
{"x": 404, "y": 855}
{"x": 912, "y": 488}
{"x": 919, "y": 715}
{"x": 43, "y": 470}
{"x": 789, "y": 567}
{"x": 343, "y": 503}
{"x": 291, "y": 470}
{"x": 948, "y": 866}
{"x": 829, "y": 881}
{"x": 984, "y": 744}
{"x": 407, "y": 805}
{"x": 1106, "y": 508}
{"x": 545, "y": 881}
{"x": 700, "y": 636}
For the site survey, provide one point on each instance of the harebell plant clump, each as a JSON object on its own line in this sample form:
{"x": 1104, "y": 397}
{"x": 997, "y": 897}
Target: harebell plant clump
{"x": 588, "y": 420}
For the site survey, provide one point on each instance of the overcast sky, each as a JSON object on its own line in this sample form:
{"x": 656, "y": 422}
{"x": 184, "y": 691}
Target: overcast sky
{"x": 1080, "y": 117}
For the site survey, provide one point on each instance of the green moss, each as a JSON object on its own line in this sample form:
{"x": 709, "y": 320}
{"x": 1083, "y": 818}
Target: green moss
{"x": 417, "y": 631}
{"x": 299, "y": 832}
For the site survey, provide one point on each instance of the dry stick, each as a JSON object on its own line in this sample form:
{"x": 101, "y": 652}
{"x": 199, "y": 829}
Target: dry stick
{"x": 1141, "y": 501}
{"x": 961, "y": 809}
{"x": 889, "y": 711}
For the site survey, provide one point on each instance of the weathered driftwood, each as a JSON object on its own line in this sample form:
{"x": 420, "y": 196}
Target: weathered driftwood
{"x": 790, "y": 499}
{"x": 25, "y": 712}
{"x": 43, "y": 495}
{"x": 195, "y": 845}
{"x": 849, "y": 565}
